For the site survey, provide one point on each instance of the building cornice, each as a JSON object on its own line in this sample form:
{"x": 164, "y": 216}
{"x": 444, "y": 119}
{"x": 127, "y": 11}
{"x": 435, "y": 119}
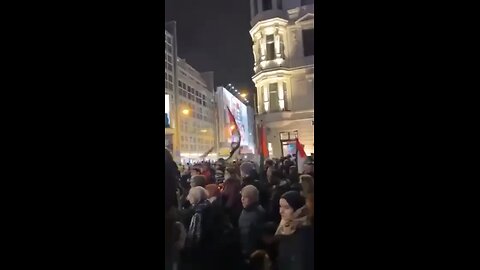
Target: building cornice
{"x": 267, "y": 23}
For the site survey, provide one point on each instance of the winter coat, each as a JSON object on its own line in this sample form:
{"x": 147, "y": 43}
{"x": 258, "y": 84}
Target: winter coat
{"x": 296, "y": 251}
{"x": 250, "y": 224}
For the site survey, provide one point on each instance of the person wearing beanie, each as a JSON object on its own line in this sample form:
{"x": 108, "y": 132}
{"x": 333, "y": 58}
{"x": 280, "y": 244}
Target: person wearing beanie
{"x": 251, "y": 220}
{"x": 295, "y": 234}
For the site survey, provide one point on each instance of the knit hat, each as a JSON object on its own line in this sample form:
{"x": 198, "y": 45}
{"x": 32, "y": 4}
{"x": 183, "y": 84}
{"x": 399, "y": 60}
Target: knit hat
{"x": 294, "y": 199}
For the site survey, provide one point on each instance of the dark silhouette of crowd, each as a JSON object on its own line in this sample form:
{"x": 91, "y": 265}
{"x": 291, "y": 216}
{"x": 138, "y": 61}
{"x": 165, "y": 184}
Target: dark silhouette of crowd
{"x": 231, "y": 215}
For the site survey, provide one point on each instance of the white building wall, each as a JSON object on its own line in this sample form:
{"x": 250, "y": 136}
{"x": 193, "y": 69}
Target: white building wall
{"x": 284, "y": 79}
{"x": 197, "y": 128}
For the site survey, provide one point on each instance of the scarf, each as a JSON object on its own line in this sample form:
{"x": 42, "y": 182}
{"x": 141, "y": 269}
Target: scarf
{"x": 288, "y": 227}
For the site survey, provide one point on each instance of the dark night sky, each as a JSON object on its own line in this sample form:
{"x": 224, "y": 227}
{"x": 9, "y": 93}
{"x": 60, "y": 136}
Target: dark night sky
{"x": 213, "y": 36}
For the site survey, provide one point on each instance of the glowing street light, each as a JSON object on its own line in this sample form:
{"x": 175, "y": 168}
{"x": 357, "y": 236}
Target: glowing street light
{"x": 186, "y": 111}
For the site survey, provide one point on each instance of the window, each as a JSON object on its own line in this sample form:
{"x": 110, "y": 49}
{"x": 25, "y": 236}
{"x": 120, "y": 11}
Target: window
{"x": 308, "y": 42}
{"x": 266, "y": 99}
{"x": 170, "y": 78}
{"x": 267, "y": 4}
{"x": 306, "y": 2}
{"x": 274, "y": 97}
{"x": 279, "y": 4}
{"x": 255, "y": 7}
{"x": 282, "y": 96}
{"x": 270, "y": 48}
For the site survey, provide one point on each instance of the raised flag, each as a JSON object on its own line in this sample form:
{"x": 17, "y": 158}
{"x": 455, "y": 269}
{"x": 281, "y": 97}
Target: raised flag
{"x": 301, "y": 156}
{"x": 206, "y": 153}
{"x": 234, "y": 130}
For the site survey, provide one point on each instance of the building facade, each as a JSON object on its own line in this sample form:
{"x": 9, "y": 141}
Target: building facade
{"x": 189, "y": 105}
{"x": 196, "y": 110}
{"x": 283, "y": 49}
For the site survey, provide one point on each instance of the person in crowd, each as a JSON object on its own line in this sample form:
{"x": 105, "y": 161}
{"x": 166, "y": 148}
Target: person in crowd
{"x": 248, "y": 173}
{"x": 171, "y": 181}
{"x": 295, "y": 234}
{"x": 198, "y": 181}
{"x": 179, "y": 235}
{"x": 231, "y": 172}
{"x": 308, "y": 192}
{"x": 287, "y": 163}
{"x": 200, "y": 233}
{"x": 231, "y": 199}
{"x": 251, "y": 220}
{"x": 266, "y": 164}
{"x": 278, "y": 187}
{"x": 219, "y": 173}
{"x": 259, "y": 260}
{"x": 294, "y": 179}
{"x": 208, "y": 172}
{"x": 269, "y": 244}
{"x": 308, "y": 168}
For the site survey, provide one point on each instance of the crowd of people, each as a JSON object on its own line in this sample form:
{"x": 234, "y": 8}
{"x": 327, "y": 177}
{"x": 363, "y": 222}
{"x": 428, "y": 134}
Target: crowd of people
{"x": 232, "y": 215}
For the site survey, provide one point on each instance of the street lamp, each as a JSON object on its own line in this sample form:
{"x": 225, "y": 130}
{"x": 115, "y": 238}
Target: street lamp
{"x": 186, "y": 111}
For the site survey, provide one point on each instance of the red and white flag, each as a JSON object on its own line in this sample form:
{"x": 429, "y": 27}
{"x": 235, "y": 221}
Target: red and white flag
{"x": 301, "y": 156}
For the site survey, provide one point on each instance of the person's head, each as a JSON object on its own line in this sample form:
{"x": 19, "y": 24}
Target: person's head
{"x": 249, "y": 195}
{"x": 307, "y": 184}
{"x": 246, "y": 169}
{"x": 308, "y": 168}
{"x": 293, "y": 174}
{"x": 205, "y": 167}
{"x": 171, "y": 179}
{"x": 198, "y": 180}
{"x": 212, "y": 190}
{"x": 259, "y": 260}
{"x": 195, "y": 171}
{"x": 268, "y": 163}
{"x": 196, "y": 195}
{"x": 290, "y": 202}
{"x": 231, "y": 172}
{"x": 274, "y": 176}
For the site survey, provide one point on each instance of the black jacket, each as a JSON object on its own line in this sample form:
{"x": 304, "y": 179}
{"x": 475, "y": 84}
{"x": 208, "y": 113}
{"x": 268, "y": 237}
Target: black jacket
{"x": 296, "y": 251}
{"x": 250, "y": 225}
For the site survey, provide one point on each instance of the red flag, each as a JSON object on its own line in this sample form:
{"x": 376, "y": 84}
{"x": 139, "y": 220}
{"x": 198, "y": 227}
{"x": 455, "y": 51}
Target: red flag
{"x": 262, "y": 142}
{"x": 301, "y": 156}
{"x": 232, "y": 120}
{"x": 235, "y": 145}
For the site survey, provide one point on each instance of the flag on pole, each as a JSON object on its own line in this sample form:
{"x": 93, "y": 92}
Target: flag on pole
{"x": 206, "y": 153}
{"x": 301, "y": 156}
{"x": 234, "y": 131}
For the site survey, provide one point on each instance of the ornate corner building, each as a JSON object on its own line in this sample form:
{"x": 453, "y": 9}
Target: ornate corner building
{"x": 283, "y": 48}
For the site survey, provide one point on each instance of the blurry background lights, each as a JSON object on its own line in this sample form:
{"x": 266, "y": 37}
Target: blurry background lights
{"x": 185, "y": 111}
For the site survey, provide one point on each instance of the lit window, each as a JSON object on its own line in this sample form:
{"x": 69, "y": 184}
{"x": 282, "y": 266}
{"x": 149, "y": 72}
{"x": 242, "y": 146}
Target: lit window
{"x": 274, "y": 97}
{"x": 265, "y": 98}
{"x": 270, "y": 47}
